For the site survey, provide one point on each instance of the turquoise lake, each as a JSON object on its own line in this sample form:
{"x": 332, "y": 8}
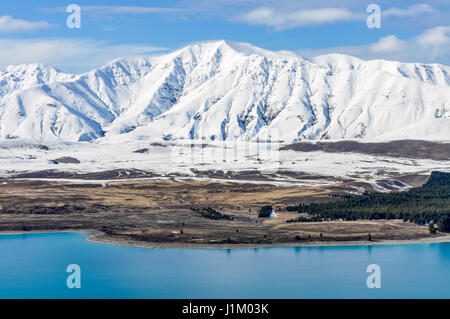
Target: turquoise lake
{"x": 34, "y": 266}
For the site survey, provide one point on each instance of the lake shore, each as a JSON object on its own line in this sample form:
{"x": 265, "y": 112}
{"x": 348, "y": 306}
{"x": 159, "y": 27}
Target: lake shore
{"x": 159, "y": 214}
{"x": 98, "y": 237}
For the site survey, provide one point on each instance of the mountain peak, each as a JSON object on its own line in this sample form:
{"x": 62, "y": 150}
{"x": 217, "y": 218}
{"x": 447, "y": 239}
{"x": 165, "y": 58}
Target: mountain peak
{"x": 337, "y": 59}
{"x": 243, "y": 48}
{"x": 221, "y": 90}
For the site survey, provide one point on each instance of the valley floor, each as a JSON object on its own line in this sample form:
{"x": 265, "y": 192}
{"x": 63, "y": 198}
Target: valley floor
{"x": 158, "y": 213}
{"x": 380, "y": 166}
{"x": 143, "y": 191}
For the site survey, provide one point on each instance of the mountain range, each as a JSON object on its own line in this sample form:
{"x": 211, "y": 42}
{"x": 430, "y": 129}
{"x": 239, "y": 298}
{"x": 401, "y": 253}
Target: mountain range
{"x": 224, "y": 90}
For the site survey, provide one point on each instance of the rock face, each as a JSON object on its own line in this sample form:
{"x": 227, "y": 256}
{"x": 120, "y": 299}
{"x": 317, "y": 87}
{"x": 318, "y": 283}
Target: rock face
{"x": 227, "y": 91}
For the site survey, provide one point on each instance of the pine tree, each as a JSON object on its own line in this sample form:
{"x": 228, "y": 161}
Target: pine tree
{"x": 431, "y": 228}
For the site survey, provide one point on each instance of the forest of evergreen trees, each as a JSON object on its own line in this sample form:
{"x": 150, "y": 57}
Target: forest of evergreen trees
{"x": 212, "y": 214}
{"x": 423, "y": 205}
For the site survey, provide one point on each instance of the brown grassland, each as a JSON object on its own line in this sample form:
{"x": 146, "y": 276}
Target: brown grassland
{"x": 159, "y": 212}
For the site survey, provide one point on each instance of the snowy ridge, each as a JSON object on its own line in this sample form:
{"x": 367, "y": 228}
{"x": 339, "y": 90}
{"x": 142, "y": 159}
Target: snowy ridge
{"x": 226, "y": 91}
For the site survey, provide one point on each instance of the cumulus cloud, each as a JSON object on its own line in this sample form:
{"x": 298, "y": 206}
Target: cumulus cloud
{"x": 286, "y": 20}
{"x": 435, "y": 37}
{"x": 387, "y": 44}
{"x": 436, "y": 42}
{"x": 76, "y": 55}
{"x": 9, "y": 24}
{"x": 431, "y": 46}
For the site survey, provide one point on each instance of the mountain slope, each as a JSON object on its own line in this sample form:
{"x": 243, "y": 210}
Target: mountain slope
{"x": 225, "y": 91}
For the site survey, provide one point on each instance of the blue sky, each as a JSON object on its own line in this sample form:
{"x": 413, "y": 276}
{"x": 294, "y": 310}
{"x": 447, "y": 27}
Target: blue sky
{"x": 36, "y": 31}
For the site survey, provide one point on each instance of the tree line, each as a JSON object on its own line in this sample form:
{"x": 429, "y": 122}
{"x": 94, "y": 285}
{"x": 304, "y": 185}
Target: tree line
{"x": 428, "y": 204}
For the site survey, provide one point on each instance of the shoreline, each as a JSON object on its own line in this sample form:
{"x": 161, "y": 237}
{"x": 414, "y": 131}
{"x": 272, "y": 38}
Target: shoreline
{"x": 98, "y": 237}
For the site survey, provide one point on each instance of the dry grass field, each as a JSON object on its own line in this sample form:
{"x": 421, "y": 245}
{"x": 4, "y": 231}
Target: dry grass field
{"x": 159, "y": 211}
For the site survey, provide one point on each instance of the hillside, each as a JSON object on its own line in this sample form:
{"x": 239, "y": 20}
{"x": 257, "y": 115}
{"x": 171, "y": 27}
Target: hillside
{"x": 226, "y": 91}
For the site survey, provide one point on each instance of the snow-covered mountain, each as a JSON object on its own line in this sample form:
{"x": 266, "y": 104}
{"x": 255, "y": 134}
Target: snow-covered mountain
{"x": 224, "y": 91}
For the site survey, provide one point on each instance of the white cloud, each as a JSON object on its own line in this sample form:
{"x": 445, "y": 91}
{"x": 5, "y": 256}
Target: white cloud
{"x": 431, "y": 46}
{"x": 285, "y": 20}
{"x": 387, "y": 44}
{"x": 408, "y": 12}
{"x": 9, "y": 24}
{"x": 77, "y": 55}
{"x": 436, "y": 42}
{"x": 435, "y": 37}
{"x": 285, "y": 17}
